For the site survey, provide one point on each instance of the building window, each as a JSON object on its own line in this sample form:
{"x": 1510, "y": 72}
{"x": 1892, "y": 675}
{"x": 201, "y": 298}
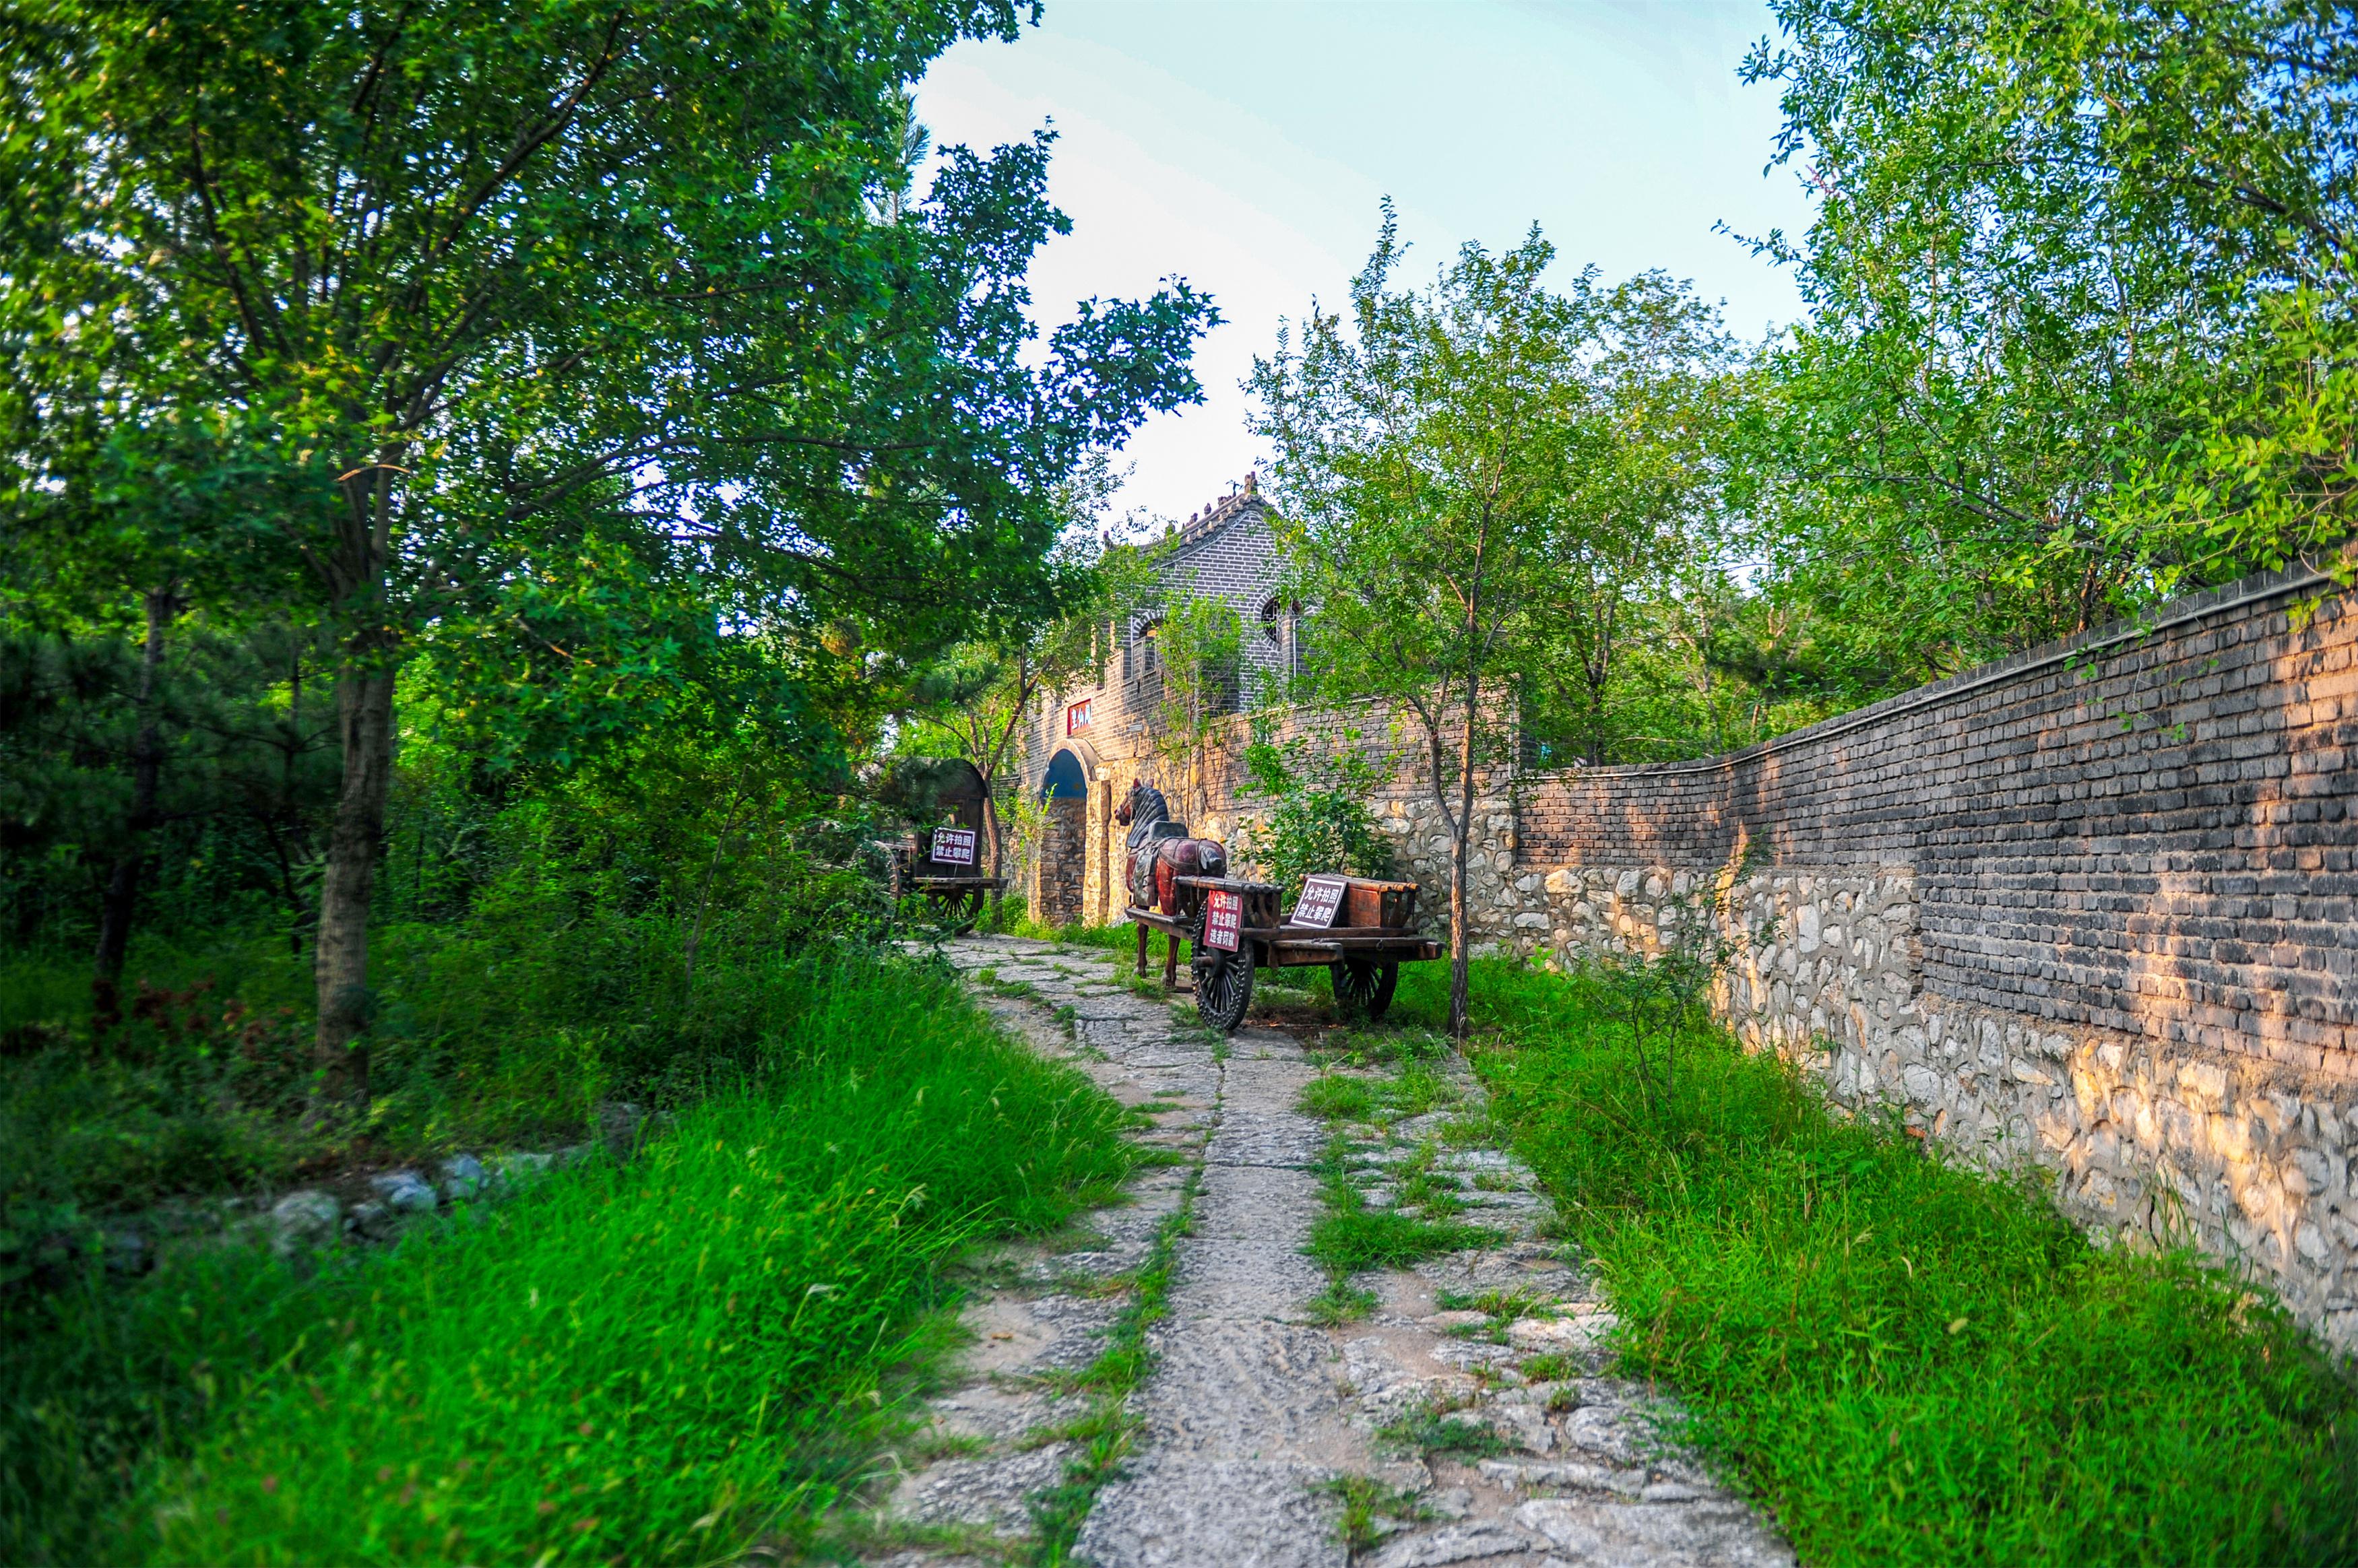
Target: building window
{"x": 1272, "y": 623}
{"x": 1146, "y": 636}
{"x": 1077, "y": 717}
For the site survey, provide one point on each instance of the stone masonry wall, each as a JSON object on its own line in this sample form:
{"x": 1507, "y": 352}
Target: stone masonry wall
{"x": 2094, "y": 908}
{"x": 1053, "y": 883}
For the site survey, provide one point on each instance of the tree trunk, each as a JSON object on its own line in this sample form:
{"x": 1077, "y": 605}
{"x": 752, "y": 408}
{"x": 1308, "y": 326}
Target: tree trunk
{"x": 1460, "y": 841}
{"x": 122, "y": 898}
{"x": 364, "y": 723}
{"x": 990, "y": 836}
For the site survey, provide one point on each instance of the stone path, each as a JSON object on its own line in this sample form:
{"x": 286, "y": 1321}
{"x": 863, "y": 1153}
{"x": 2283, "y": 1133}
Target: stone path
{"x": 1256, "y": 1426}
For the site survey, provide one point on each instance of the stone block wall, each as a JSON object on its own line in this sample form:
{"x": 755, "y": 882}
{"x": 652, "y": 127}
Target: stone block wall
{"x": 2094, "y": 909}
{"x": 1052, "y": 882}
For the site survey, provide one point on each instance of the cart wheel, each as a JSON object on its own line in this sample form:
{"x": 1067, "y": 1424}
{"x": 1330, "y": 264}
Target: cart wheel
{"x": 1363, "y": 987}
{"x": 961, "y": 910}
{"x": 1223, "y": 984}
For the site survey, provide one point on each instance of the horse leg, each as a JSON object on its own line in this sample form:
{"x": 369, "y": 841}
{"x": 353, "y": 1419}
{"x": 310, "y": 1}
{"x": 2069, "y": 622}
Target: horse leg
{"x": 1141, "y": 949}
{"x": 1171, "y": 962}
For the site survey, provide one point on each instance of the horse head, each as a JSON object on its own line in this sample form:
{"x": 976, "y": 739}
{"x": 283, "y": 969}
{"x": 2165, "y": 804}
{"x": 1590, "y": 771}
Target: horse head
{"x": 1144, "y": 803}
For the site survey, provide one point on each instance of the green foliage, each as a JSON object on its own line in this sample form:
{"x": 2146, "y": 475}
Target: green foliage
{"x": 2081, "y": 288}
{"x": 1309, "y": 829}
{"x": 598, "y": 359}
{"x": 682, "y": 1350}
{"x": 1435, "y": 1431}
{"x": 1197, "y": 647}
{"x": 1421, "y": 454}
{"x": 1364, "y": 1501}
{"x": 1383, "y": 1239}
{"x": 1906, "y": 1361}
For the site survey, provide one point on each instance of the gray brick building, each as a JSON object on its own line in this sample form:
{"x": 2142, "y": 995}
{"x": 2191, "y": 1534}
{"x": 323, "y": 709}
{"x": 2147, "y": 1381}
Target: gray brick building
{"x": 1088, "y": 744}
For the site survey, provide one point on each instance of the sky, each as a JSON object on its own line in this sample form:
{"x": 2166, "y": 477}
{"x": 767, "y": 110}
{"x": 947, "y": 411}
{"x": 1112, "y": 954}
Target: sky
{"x": 1245, "y": 146}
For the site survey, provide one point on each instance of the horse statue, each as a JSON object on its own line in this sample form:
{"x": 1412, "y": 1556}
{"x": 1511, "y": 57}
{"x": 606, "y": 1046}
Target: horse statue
{"x": 1160, "y": 850}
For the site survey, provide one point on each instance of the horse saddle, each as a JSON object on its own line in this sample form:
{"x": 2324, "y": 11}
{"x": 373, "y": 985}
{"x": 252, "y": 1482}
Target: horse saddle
{"x": 1165, "y": 852}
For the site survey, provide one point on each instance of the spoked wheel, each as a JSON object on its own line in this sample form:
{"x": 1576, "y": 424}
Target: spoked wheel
{"x": 1363, "y": 987}
{"x": 960, "y": 910}
{"x": 1223, "y": 989}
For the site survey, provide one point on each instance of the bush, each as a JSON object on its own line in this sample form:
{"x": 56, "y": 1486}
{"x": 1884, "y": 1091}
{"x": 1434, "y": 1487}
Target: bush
{"x": 1309, "y": 830}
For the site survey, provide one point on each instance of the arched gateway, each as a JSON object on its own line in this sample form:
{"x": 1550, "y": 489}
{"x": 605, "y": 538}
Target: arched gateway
{"x": 1058, "y": 876}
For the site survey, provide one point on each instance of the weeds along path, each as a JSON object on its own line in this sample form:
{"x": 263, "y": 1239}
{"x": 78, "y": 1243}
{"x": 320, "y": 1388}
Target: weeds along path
{"x": 1197, "y": 1389}
{"x": 1469, "y": 1342}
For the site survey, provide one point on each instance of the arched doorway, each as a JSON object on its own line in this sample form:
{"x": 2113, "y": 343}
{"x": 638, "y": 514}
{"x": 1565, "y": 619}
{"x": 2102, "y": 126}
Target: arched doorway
{"x": 1063, "y": 841}
{"x": 1066, "y": 778}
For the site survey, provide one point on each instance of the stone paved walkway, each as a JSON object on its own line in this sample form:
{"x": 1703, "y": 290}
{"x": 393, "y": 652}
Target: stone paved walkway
{"x": 1252, "y": 1412}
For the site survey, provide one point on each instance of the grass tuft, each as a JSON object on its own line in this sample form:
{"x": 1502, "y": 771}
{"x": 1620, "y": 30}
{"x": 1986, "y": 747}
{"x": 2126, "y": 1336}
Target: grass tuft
{"x": 1365, "y": 1500}
{"x": 1437, "y": 1431}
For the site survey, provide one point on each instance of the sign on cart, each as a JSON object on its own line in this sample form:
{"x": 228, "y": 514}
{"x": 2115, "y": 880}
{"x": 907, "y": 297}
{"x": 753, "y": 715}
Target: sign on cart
{"x": 954, "y": 846}
{"x": 1321, "y": 897}
{"x": 1224, "y": 921}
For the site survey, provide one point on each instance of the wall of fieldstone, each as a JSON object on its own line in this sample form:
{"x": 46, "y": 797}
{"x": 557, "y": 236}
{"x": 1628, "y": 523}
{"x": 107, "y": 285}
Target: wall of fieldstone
{"x": 1052, "y": 881}
{"x": 2095, "y": 910}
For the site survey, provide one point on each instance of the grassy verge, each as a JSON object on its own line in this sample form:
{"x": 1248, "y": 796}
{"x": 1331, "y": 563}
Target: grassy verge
{"x": 502, "y": 1029}
{"x": 650, "y": 1363}
{"x": 1909, "y": 1362}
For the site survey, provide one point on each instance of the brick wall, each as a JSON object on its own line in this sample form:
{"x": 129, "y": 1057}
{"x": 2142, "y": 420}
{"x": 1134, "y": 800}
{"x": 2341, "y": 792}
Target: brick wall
{"x": 2091, "y": 909}
{"x": 2146, "y": 831}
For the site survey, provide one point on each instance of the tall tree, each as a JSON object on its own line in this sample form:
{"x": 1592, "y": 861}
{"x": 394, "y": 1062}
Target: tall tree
{"x": 974, "y": 702}
{"x": 471, "y": 272}
{"x": 2081, "y": 285}
{"x": 1640, "y": 508}
{"x": 1423, "y": 455}
{"x": 1198, "y": 649}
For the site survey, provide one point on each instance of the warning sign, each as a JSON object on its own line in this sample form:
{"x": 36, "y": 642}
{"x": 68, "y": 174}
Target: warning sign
{"x": 1224, "y": 921}
{"x": 1321, "y": 897}
{"x": 954, "y": 846}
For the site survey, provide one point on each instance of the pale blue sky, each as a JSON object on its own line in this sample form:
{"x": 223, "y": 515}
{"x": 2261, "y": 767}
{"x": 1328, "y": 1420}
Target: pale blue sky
{"x": 1245, "y": 146}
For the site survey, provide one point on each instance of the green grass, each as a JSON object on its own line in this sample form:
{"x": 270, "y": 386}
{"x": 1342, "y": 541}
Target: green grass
{"x": 1382, "y": 1239}
{"x": 648, "y": 1363}
{"x": 1435, "y": 1431}
{"x": 1362, "y": 1500}
{"x": 1909, "y": 1362}
{"x": 1336, "y": 1096}
{"x": 501, "y": 1031}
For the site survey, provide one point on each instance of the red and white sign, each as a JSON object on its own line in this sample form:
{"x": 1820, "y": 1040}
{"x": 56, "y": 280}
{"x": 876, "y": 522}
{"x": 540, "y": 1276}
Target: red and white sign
{"x": 1224, "y": 921}
{"x": 1076, "y": 717}
{"x": 954, "y": 846}
{"x": 1321, "y": 897}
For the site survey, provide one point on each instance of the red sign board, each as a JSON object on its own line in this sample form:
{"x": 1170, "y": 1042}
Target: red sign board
{"x": 954, "y": 846}
{"x": 1224, "y": 921}
{"x": 1321, "y": 897}
{"x": 1076, "y": 717}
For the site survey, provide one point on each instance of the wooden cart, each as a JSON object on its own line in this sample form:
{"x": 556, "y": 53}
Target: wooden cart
{"x": 955, "y": 894}
{"x": 1372, "y": 934}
